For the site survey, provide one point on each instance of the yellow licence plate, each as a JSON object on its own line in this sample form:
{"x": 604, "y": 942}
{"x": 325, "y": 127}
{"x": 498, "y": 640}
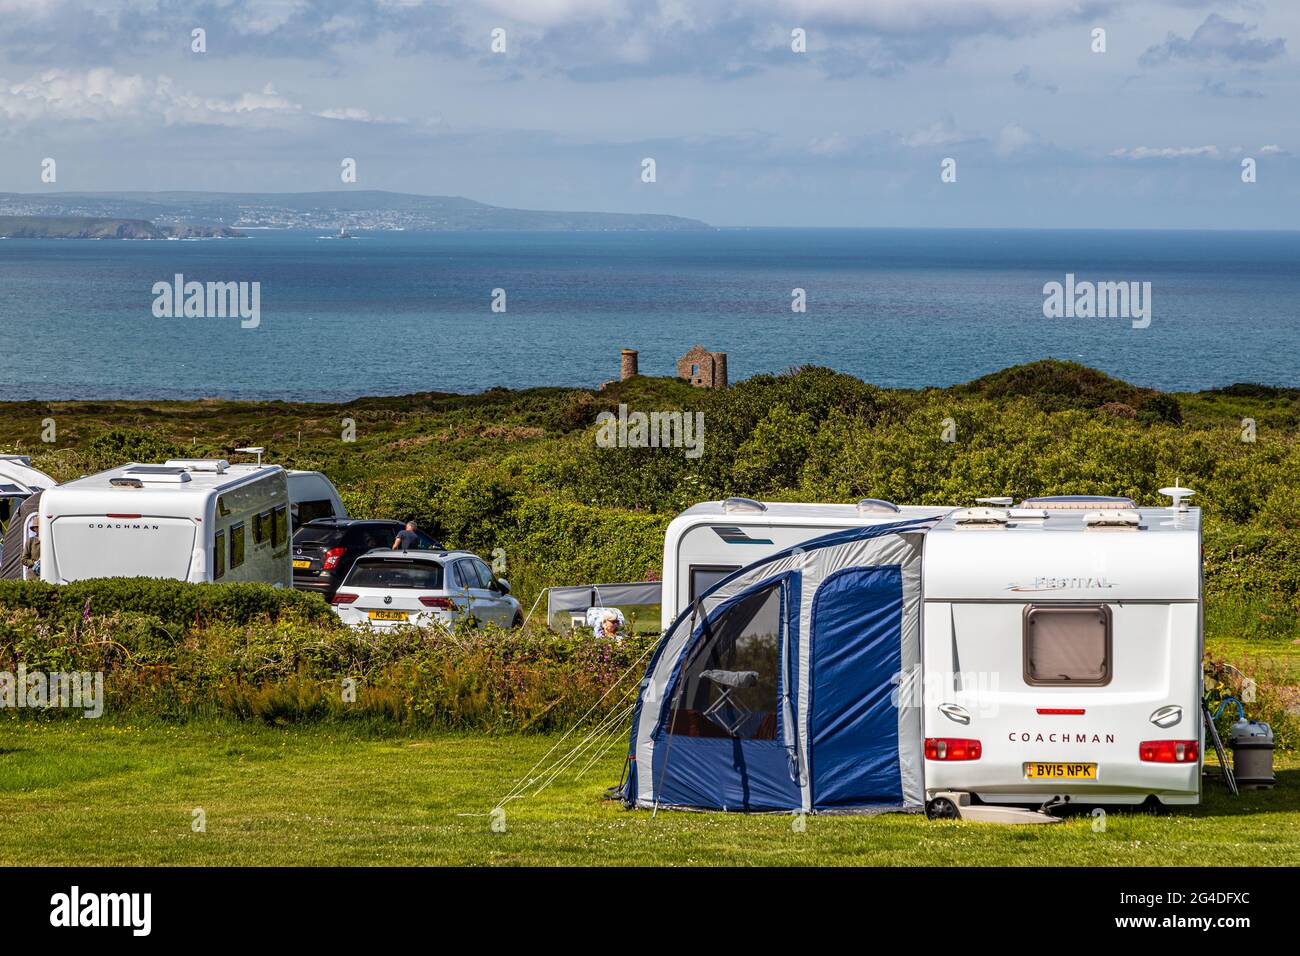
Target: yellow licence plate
{"x": 302, "y": 564}
{"x": 388, "y": 615}
{"x": 1061, "y": 771}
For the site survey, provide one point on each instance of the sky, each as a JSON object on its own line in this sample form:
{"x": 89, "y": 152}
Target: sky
{"x": 1044, "y": 129}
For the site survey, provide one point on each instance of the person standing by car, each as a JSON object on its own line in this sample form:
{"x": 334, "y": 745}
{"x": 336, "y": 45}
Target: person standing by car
{"x": 407, "y": 539}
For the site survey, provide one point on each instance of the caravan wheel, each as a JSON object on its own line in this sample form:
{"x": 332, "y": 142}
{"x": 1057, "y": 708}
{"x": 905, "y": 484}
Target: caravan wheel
{"x": 941, "y": 808}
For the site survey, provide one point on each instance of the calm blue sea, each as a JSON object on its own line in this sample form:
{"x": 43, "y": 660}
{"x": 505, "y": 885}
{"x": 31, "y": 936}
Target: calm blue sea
{"x": 391, "y": 313}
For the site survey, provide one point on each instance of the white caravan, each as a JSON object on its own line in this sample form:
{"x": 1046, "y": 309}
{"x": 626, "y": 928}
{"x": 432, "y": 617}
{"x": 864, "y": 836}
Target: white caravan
{"x": 1061, "y": 653}
{"x": 312, "y": 496}
{"x": 1061, "y": 638}
{"x": 710, "y": 540}
{"x": 188, "y": 520}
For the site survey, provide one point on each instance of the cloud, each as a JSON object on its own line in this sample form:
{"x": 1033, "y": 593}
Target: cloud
{"x": 1165, "y": 152}
{"x": 591, "y": 40}
{"x": 1219, "y": 89}
{"x": 1026, "y": 81}
{"x": 942, "y": 132}
{"x": 836, "y": 144}
{"x": 1013, "y": 138}
{"x": 1216, "y": 40}
{"x": 105, "y": 94}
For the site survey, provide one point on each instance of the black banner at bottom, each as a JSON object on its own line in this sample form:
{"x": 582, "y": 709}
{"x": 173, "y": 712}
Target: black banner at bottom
{"x": 338, "y": 905}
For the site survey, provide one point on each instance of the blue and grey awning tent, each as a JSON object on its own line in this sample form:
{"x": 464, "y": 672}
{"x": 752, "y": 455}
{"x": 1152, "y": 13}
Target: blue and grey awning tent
{"x": 786, "y": 686}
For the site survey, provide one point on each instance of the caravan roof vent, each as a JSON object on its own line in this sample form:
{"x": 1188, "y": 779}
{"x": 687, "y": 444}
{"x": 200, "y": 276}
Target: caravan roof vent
{"x": 876, "y": 506}
{"x": 216, "y": 466}
{"x": 164, "y": 474}
{"x": 743, "y": 505}
{"x": 981, "y": 517}
{"x": 1112, "y": 519}
{"x": 996, "y": 502}
{"x": 1079, "y": 502}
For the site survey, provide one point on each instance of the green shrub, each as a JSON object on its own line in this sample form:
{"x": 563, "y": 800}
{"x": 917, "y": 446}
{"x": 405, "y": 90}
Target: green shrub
{"x": 176, "y": 604}
{"x": 294, "y": 670}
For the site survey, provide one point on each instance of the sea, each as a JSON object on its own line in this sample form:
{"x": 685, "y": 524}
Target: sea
{"x": 390, "y": 313}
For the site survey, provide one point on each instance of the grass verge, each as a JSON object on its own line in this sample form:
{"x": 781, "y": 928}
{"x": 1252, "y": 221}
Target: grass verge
{"x": 80, "y": 792}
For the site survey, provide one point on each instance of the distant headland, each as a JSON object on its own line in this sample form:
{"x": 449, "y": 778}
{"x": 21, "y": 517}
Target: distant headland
{"x": 94, "y": 227}
{"x": 369, "y": 209}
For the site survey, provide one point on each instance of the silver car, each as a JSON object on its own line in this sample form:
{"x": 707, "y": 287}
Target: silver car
{"x": 390, "y": 589}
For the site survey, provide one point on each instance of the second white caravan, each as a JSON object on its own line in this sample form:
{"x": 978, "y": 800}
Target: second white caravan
{"x": 188, "y": 520}
{"x": 713, "y": 539}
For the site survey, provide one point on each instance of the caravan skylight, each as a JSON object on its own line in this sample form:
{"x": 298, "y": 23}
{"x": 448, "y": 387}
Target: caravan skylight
{"x": 746, "y": 505}
{"x": 159, "y": 473}
{"x": 877, "y": 506}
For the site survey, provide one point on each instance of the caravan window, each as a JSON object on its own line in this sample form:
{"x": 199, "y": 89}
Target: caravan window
{"x": 236, "y": 545}
{"x": 1067, "y": 645}
{"x": 279, "y": 526}
{"x": 730, "y": 683}
{"x": 219, "y": 555}
{"x": 704, "y": 576}
{"x": 311, "y": 510}
{"x": 262, "y": 527}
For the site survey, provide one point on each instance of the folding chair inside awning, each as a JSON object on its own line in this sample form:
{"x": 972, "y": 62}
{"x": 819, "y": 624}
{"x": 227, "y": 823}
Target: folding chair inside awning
{"x": 728, "y": 682}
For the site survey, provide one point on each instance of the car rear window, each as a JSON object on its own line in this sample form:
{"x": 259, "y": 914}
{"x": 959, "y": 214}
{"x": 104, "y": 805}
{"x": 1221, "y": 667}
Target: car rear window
{"x": 307, "y": 534}
{"x": 395, "y": 573}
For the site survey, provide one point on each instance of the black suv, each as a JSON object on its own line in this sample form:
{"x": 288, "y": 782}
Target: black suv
{"x": 325, "y": 549}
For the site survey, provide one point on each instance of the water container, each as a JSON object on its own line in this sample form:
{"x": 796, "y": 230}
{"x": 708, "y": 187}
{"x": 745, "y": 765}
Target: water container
{"x": 1252, "y": 754}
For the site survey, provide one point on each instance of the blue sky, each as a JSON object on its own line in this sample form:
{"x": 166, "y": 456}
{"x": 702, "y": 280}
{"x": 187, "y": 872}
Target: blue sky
{"x": 744, "y": 131}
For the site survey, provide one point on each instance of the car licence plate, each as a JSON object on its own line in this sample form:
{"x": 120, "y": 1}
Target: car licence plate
{"x": 388, "y": 615}
{"x": 301, "y": 564}
{"x": 1061, "y": 771}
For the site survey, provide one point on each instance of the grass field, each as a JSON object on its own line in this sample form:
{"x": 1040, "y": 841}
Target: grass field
{"x": 81, "y": 792}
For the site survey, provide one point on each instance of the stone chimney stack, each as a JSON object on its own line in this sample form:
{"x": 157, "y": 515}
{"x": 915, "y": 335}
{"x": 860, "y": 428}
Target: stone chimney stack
{"x": 719, "y": 369}
{"x": 629, "y": 365}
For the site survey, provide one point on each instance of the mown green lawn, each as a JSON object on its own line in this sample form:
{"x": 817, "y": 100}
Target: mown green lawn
{"x": 84, "y": 792}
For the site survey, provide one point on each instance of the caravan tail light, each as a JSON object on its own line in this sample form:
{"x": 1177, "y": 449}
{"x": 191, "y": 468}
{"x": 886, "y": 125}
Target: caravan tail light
{"x": 1169, "y": 751}
{"x": 332, "y": 557}
{"x": 1060, "y": 711}
{"x": 442, "y": 602}
{"x": 341, "y": 597}
{"x": 951, "y": 748}
{"x": 130, "y": 517}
